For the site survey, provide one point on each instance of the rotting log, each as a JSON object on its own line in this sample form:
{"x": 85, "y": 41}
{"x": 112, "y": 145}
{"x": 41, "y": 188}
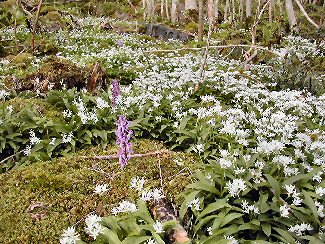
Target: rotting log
{"x": 162, "y": 212}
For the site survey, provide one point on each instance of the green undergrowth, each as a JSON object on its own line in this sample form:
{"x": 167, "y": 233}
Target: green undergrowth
{"x": 68, "y": 186}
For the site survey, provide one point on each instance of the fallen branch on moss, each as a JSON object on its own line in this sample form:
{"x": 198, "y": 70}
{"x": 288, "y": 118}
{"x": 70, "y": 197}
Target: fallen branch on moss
{"x": 150, "y": 154}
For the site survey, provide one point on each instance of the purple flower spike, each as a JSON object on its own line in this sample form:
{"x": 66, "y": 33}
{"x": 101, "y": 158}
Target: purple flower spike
{"x": 115, "y": 91}
{"x": 123, "y": 137}
{"x": 119, "y": 43}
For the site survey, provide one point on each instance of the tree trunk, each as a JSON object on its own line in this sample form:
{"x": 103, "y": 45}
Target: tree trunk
{"x": 291, "y": 15}
{"x": 241, "y": 11}
{"x": 162, "y": 8}
{"x": 201, "y": 21}
{"x": 226, "y": 11}
{"x": 167, "y": 12}
{"x": 211, "y": 11}
{"x": 175, "y": 10}
{"x": 248, "y": 8}
{"x": 322, "y": 19}
{"x": 306, "y": 15}
{"x": 190, "y": 4}
{"x": 271, "y": 11}
{"x": 233, "y": 11}
{"x": 151, "y": 8}
{"x": 280, "y": 8}
{"x": 216, "y": 7}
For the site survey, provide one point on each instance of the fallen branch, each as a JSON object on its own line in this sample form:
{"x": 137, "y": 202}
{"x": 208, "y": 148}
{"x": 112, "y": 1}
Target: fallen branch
{"x": 306, "y": 15}
{"x": 4, "y": 160}
{"x": 216, "y": 47}
{"x": 108, "y": 157}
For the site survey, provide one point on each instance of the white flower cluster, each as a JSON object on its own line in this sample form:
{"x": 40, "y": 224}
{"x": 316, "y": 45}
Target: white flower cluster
{"x": 70, "y": 236}
{"x": 231, "y": 239}
{"x": 101, "y": 189}
{"x": 158, "y": 227}
{"x": 67, "y": 137}
{"x": 320, "y": 209}
{"x": 249, "y": 208}
{"x": 284, "y": 211}
{"x": 236, "y": 186}
{"x": 292, "y": 192}
{"x": 137, "y": 183}
{"x": 298, "y": 229}
{"x": 33, "y": 139}
{"x": 93, "y": 228}
{"x": 3, "y": 94}
{"x": 124, "y": 207}
{"x": 101, "y": 103}
{"x": 320, "y": 191}
{"x": 84, "y": 115}
{"x": 195, "y": 203}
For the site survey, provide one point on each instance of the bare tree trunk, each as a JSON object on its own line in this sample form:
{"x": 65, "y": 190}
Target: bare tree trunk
{"x": 162, "y": 8}
{"x": 280, "y": 8}
{"x": 35, "y": 23}
{"x": 306, "y": 15}
{"x": 175, "y": 10}
{"x": 190, "y": 4}
{"x": 151, "y": 8}
{"x": 291, "y": 15}
{"x": 201, "y": 21}
{"x": 322, "y": 19}
{"x": 226, "y": 10}
{"x": 144, "y": 9}
{"x": 167, "y": 12}
{"x": 216, "y": 7}
{"x": 248, "y": 8}
{"x": 211, "y": 11}
{"x": 271, "y": 4}
{"x": 241, "y": 10}
{"x": 233, "y": 15}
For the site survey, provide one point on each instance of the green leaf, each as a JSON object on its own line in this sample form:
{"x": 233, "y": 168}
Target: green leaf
{"x": 274, "y": 184}
{"x": 218, "y": 204}
{"x": 228, "y": 218}
{"x": 285, "y": 235}
{"x": 203, "y": 186}
{"x": 311, "y": 204}
{"x": 266, "y": 227}
{"x": 135, "y": 239}
{"x": 112, "y": 236}
{"x": 187, "y": 200}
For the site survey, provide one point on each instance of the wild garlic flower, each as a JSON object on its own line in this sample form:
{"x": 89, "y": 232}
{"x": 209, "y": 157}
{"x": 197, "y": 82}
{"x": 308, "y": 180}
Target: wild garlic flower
{"x": 298, "y": 229}
{"x": 158, "y": 227}
{"x": 101, "y": 103}
{"x": 52, "y": 142}
{"x": 231, "y": 239}
{"x": 67, "y": 137}
{"x": 320, "y": 209}
{"x": 93, "y": 228}
{"x": 179, "y": 161}
{"x": 10, "y": 108}
{"x": 195, "y": 203}
{"x": 28, "y": 150}
{"x": 3, "y": 94}
{"x": 209, "y": 230}
{"x": 157, "y": 194}
{"x": 33, "y": 138}
{"x": 124, "y": 207}
{"x": 101, "y": 189}
{"x": 67, "y": 113}
{"x": 284, "y": 211}
{"x": 137, "y": 183}
{"x": 225, "y": 163}
{"x": 247, "y": 208}
{"x": 236, "y": 186}
{"x": 70, "y": 236}
{"x": 320, "y": 191}
{"x": 146, "y": 195}
{"x": 151, "y": 241}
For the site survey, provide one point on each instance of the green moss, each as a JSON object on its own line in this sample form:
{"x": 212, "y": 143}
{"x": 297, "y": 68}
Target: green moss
{"x": 192, "y": 27}
{"x": 68, "y": 183}
{"x": 22, "y": 60}
{"x": 45, "y": 9}
{"x": 46, "y": 47}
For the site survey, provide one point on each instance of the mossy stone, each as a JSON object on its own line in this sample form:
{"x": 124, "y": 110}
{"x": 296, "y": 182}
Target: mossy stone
{"x": 192, "y": 27}
{"x": 46, "y": 9}
{"x": 22, "y": 60}
{"x": 47, "y": 47}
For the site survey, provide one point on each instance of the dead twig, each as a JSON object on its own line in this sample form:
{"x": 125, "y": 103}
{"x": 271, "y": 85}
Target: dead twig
{"x": 108, "y": 157}
{"x": 4, "y": 160}
{"x": 35, "y": 24}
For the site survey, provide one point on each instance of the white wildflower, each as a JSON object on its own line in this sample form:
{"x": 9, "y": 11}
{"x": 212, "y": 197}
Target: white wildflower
{"x": 240, "y": 170}
{"x": 52, "y": 142}
{"x": 124, "y": 207}
{"x": 27, "y": 151}
{"x": 231, "y": 239}
{"x": 146, "y": 195}
{"x": 33, "y": 138}
{"x": 236, "y": 187}
{"x": 298, "y": 229}
{"x": 157, "y": 194}
{"x": 10, "y": 108}
{"x": 67, "y": 113}
{"x": 320, "y": 209}
{"x": 101, "y": 103}
{"x": 284, "y": 211}
{"x": 93, "y": 228}
{"x": 225, "y": 163}
{"x": 195, "y": 203}
{"x": 70, "y": 236}
{"x": 209, "y": 230}
{"x": 151, "y": 241}
{"x": 320, "y": 191}
{"x": 317, "y": 177}
{"x": 247, "y": 208}
{"x": 137, "y": 183}
{"x": 101, "y": 189}
{"x": 67, "y": 137}
{"x": 158, "y": 227}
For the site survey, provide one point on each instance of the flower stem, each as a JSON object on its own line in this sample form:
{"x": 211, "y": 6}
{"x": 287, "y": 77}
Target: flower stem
{"x": 129, "y": 181}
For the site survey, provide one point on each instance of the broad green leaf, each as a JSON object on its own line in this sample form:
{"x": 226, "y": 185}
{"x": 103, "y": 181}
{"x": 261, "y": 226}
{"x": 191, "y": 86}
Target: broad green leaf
{"x": 112, "y": 236}
{"x": 187, "y": 200}
{"x": 135, "y": 239}
{"x": 228, "y": 218}
{"x": 218, "y": 204}
{"x": 274, "y": 184}
{"x": 285, "y": 235}
{"x": 266, "y": 227}
{"x": 203, "y": 186}
{"x": 311, "y": 204}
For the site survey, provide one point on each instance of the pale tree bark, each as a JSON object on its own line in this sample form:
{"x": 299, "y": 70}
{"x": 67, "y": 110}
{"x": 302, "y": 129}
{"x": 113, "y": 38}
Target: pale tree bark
{"x": 175, "y": 10}
{"x": 248, "y": 8}
{"x": 226, "y": 10}
{"x": 167, "y": 12}
{"x": 322, "y": 19}
{"x": 201, "y": 21}
{"x": 306, "y": 15}
{"x": 233, "y": 13}
{"x": 151, "y": 7}
{"x": 216, "y": 7}
{"x": 280, "y": 8}
{"x": 190, "y": 4}
{"x": 211, "y": 11}
{"x": 291, "y": 15}
{"x": 162, "y": 8}
{"x": 241, "y": 10}
{"x": 271, "y": 9}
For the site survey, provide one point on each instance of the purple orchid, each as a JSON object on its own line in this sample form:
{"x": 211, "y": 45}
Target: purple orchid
{"x": 115, "y": 91}
{"x": 123, "y": 137}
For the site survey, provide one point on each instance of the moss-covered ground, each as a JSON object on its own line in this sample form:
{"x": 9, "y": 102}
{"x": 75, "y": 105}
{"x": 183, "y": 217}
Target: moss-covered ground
{"x": 67, "y": 186}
